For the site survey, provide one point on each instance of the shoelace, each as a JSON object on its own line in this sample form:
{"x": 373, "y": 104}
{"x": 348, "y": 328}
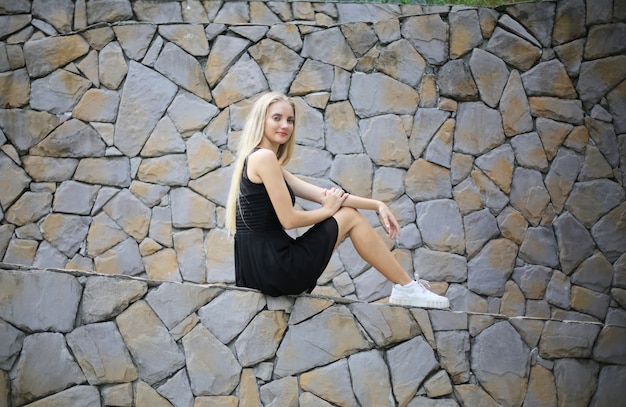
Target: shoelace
{"x": 423, "y": 283}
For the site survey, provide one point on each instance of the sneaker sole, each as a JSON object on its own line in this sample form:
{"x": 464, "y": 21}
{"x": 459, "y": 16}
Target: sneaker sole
{"x": 419, "y": 303}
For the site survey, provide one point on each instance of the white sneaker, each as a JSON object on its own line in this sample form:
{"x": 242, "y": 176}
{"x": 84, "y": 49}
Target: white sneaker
{"x": 417, "y": 296}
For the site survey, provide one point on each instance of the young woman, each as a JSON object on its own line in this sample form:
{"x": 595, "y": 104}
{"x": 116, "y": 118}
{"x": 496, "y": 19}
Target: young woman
{"x": 261, "y": 206}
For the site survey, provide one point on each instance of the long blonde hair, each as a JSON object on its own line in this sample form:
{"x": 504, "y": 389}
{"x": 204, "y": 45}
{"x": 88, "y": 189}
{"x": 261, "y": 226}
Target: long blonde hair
{"x": 251, "y": 137}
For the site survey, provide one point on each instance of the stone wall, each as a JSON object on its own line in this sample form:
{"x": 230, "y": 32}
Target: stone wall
{"x": 92, "y": 340}
{"x": 495, "y": 135}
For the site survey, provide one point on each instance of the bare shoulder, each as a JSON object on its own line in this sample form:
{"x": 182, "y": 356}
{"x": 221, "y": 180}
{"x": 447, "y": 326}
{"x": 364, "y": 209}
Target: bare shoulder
{"x": 263, "y": 155}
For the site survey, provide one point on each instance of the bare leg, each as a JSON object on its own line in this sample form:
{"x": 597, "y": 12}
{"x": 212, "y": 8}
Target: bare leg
{"x": 369, "y": 245}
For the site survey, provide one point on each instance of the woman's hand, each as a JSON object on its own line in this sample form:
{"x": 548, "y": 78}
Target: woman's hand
{"x": 332, "y": 199}
{"x": 389, "y": 221}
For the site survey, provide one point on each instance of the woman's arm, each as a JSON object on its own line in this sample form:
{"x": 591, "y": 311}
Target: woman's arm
{"x": 314, "y": 193}
{"x": 264, "y": 167}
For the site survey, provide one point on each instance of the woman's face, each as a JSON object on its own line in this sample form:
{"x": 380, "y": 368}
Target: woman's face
{"x": 279, "y": 124}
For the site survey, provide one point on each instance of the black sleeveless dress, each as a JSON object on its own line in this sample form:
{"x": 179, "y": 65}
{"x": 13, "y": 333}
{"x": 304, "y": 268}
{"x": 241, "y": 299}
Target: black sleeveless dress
{"x": 266, "y": 257}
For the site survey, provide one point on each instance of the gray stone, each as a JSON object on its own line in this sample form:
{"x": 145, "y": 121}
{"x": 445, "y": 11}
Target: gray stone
{"x": 400, "y": 61}
{"x": 14, "y": 339}
{"x": 575, "y": 380}
{"x": 559, "y": 290}
{"x": 112, "y": 171}
{"x": 141, "y": 107}
{"x": 219, "y": 248}
{"x": 89, "y": 343}
{"x": 439, "y": 150}
{"x": 540, "y": 247}
{"x": 454, "y": 351}
{"x": 491, "y": 195}
{"x": 104, "y": 297}
{"x": 65, "y": 232}
{"x": 599, "y": 76}
{"x": 134, "y": 39}
{"x": 103, "y": 234}
{"x": 58, "y": 92}
{"x": 548, "y": 79}
{"x": 532, "y": 280}
{"x": 49, "y": 256}
{"x": 25, "y": 128}
{"x": 409, "y": 364}
{"x": 173, "y": 302}
{"x": 529, "y": 151}
{"x": 513, "y": 49}
{"x": 243, "y": 80}
{"x": 567, "y": 339}
{"x": 206, "y": 377}
{"x": 439, "y": 266}
{"x": 575, "y": 242}
{"x": 385, "y": 325}
{"x": 595, "y": 165}
{"x": 46, "y": 367}
{"x": 123, "y": 258}
{"x": 425, "y": 181}
{"x": 529, "y": 194}
{"x": 429, "y": 35}
{"x": 426, "y": 122}
{"x": 456, "y": 82}
{"x": 561, "y": 177}
{"x": 330, "y": 382}
{"x": 490, "y": 74}
{"x": 353, "y": 173}
{"x": 13, "y": 183}
{"x": 515, "y": 107}
{"x": 591, "y": 200}
{"x": 449, "y": 238}
{"x": 71, "y": 139}
{"x": 248, "y": 305}
{"x": 341, "y": 129}
{"x": 282, "y": 392}
{"x": 310, "y": 121}
{"x": 336, "y": 323}
{"x": 569, "y": 21}
{"x": 190, "y": 254}
{"x": 609, "y": 233}
{"x": 370, "y": 378}
{"x": 603, "y": 135}
{"x": 260, "y": 340}
{"x": 29, "y": 208}
{"x": 376, "y": 94}
{"x": 480, "y": 227}
{"x": 279, "y": 63}
{"x": 177, "y": 389}
{"x": 372, "y": 286}
{"x": 552, "y": 134}
{"x": 610, "y": 386}
{"x": 489, "y": 270}
{"x": 75, "y": 197}
{"x": 501, "y": 361}
{"x": 616, "y": 104}
{"x": 392, "y": 150}
{"x": 153, "y": 349}
{"x": 329, "y": 46}
{"x": 462, "y": 299}
{"x": 112, "y": 68}
{"x": 478, "y": 128}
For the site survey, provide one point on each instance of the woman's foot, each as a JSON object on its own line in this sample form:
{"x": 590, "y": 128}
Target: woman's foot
{"x": 416, "y": 295}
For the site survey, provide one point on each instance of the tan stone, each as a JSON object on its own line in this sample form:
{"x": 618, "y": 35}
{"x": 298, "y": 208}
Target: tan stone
{"x": 14, "y": 88}
{"x": 162, "y": 265}
{"x": 45, "y": 55}
{"x": 248, "y": 389}
{"x": 103, "y": 234}
{"x": 512, "y": 225}
{"x": 541, "y": 388}
{"x": 190, "y": 37}
{"x": 146, "y": 396}
{"x": 21, "y": 251}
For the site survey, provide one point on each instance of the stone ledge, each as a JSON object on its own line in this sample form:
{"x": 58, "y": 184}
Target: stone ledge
{"x": 75, "y": 335}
